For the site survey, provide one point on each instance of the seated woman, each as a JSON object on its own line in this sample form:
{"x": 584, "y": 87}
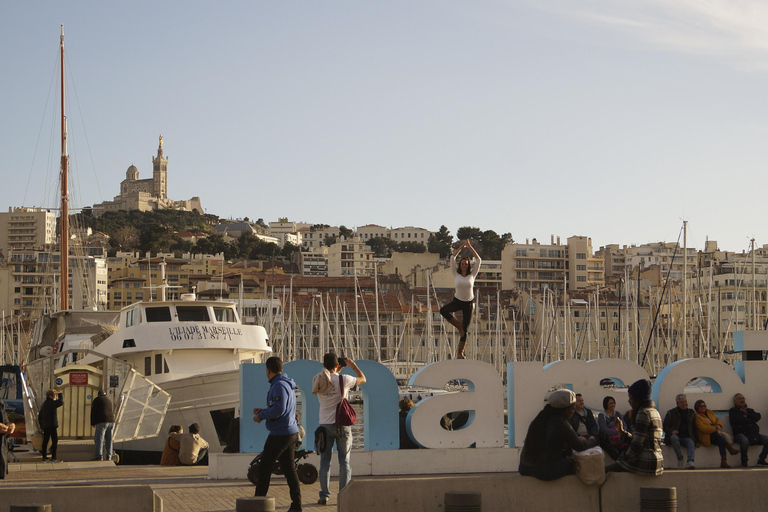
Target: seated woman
{"x": 551, "y": 440}
{"x": 643, "y": 455}
{"x": 171, "y": 449}
{"x": 406, "y": 404}
{"x": 611, "y": 441}
{"x": 710, "y": 431}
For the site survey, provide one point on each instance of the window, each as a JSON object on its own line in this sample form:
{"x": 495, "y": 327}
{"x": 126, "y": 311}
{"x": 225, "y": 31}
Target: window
{"x": 192, "y": 313}
{"x": 158, "y": 314}
{"x": 158, "y": 363}
{"x": 581, "y": 256}
{"x": 147, "y": 365}
{"x": 224, "y": 314}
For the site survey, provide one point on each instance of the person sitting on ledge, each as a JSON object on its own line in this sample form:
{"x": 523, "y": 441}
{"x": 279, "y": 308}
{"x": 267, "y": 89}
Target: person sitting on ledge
{"x": 643, "y": 456}
{"x": 746, "y": 431}
{"x": 582, "y": 420}
{"x": 710, "y": 431}
{"x": 551, "y": 440}
{"x": 680, "y": 429}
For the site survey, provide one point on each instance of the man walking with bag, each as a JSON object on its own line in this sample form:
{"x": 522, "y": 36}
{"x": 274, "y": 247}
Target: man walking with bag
{"x": 331, "y": 387}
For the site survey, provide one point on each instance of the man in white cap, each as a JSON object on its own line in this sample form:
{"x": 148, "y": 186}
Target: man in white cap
{"x": 551, "y": 439}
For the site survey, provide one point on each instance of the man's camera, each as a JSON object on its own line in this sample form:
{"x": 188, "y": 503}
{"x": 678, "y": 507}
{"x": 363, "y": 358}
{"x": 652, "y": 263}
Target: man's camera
{"x": 342, "y": 361}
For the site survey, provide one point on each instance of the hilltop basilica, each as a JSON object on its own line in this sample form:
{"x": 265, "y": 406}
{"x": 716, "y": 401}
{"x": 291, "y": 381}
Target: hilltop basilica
{"x": 148, "y": 194}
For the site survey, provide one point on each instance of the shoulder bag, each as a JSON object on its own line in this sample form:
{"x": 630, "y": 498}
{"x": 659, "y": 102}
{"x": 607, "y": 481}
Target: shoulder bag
{"x": 345, "y": 414}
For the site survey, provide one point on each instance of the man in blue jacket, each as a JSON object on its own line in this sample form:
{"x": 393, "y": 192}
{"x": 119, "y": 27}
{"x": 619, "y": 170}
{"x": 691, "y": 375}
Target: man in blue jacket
{"x": 280, "y": 416}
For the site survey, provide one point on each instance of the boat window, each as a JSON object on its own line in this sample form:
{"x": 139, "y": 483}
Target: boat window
{"x": 224, "y": 314}
{"x": 147, "y": 365}
{"x": 159, "y": 314}
{"x": 130, "y": 318}
{"x": 192, "y": 313}
{"x": 158, "y": 363}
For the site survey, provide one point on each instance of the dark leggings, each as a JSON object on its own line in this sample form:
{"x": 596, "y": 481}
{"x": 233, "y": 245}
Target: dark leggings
{"x": 466, "y": 309}
{"x": 50, "y": 433}
{"x": 718, "y": 441}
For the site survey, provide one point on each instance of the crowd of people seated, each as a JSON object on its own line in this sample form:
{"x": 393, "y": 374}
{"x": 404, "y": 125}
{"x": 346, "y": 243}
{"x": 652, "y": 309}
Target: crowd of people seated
{"x": 634, "y": 440}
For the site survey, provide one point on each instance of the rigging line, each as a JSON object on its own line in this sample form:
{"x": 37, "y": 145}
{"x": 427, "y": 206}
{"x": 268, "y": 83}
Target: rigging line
{"x": 661, "y": 298}
{"x": 40, "y": 131}
{"x": 85, "y": 132}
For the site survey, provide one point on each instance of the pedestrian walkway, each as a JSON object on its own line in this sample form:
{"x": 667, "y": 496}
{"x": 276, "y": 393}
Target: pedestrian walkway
{"x": 182, "y": 488}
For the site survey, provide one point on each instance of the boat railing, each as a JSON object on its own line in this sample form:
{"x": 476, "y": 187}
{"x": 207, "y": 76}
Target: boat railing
{"x": 139, "y": 404}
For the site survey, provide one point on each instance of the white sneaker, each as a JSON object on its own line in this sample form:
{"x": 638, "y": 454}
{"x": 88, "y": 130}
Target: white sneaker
{"x": 690, "y": 465}
{"x": 680, "y": 464}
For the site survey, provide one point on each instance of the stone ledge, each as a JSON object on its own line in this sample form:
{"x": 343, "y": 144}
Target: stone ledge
{"x": 115, "y": 498}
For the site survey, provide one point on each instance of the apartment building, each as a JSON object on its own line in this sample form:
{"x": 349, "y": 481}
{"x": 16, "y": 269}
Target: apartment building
{"x": 316, "y": 238}
{"x": 286, "y": 231}
{"x": 535, "y": 267}
{"x": 410, "y": 234}
{"x": 143, "y": 279}
{"x": 32, "y": 282}
{"x": 314, "y": 262}
{"x": 25, "y": 228}
{"x": 349, "y": 258}
{"x": 667, "y": 255}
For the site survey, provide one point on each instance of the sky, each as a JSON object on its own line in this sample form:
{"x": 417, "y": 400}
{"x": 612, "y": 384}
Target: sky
{"x": 613, "y": 120}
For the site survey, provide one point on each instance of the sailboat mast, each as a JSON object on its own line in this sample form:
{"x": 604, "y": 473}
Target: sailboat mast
{"x": 64, "y": 265}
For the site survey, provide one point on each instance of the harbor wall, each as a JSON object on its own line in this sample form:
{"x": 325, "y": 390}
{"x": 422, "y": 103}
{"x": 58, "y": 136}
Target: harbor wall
{"x": 743, "y": 490}
{"x": 115, "y": 498}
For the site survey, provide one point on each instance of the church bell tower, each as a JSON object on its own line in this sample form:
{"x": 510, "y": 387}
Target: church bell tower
{"x": 160, "y": 173}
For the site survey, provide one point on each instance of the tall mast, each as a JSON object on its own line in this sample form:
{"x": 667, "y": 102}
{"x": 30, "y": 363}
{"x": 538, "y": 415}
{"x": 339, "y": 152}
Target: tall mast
{"x": 64, "y": 275}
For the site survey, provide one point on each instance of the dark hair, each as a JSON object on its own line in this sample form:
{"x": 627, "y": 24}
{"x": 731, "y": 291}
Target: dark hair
{"x": 330, "y": 361}
{"x": 605, "y": 401}
{"x": 577, "y": 395}
{"x": 174, "y": 428}
{"x": 697, "y": 404}
{"x": 469, "y": 266}
{"x": 275, "y": 364}
{"x": 194, "y": 428}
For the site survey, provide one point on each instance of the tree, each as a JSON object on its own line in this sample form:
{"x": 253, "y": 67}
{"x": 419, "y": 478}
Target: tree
{"x": 289, "y": 249}
{"x": 381, "y": 246}
{"x": 469, "y": 233}
{"x": 126, "y": 238}
{"x": 440, "y": 242}
{"x": 346, "y": 232}
{"x": 411, "y": 247}
{"x": 329, "y": 240}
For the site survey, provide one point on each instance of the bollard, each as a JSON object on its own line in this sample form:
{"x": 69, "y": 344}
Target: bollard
{"x": 31, "y": 508}
{"x": 658, "y": 498}
{"x": 255, "y": 504}
{"x": 462, "y": 502}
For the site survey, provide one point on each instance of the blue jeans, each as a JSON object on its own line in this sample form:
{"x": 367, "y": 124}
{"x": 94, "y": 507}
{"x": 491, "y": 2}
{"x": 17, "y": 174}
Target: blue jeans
{"x": 343, "y": 438}
{"x": 687, "y": 442}
{"x": 744, "y": 444}
{"x": 103, "y": 433}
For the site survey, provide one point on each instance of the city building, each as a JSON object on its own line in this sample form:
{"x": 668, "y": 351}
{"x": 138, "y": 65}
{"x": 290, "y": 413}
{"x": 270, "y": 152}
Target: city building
{"x": 350, "y": 257}
{"x": 536, "y": 267}
{"x": 25, "y": 228}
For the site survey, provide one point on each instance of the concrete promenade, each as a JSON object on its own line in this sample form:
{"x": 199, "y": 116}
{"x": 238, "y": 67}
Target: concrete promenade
{"x": 182, "y": 489}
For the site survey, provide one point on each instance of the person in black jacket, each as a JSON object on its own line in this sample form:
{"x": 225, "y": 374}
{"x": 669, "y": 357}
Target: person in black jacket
{"x": 551, "y": 440}
{"x": 49, "y": 422}
{"x": 103, "y": 420}
{"x": 582, "y": 420}
{"x": 680, "y": 429}
{"x": 746, "y": 431}
{"x": 6, "y": 429}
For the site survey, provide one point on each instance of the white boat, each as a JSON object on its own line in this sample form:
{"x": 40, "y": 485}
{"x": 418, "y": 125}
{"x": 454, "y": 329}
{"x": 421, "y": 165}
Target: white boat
{"x": 193, "y": 350}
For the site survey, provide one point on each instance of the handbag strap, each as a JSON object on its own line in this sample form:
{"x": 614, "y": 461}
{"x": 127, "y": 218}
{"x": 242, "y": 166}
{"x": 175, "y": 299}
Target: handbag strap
{"x": 341, "y": 387}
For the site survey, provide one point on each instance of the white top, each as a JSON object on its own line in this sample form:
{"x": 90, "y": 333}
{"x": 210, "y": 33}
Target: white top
{"x": 464, "y": 285}
{"x": 329, "y": 401}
